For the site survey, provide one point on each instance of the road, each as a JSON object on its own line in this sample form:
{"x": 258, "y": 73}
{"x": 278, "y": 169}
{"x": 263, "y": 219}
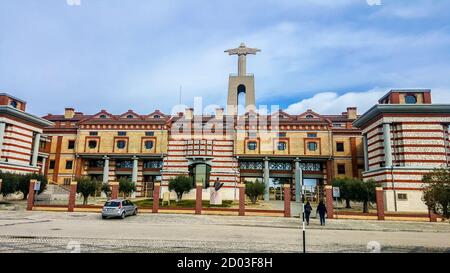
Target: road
{"x": 22, "y": 231}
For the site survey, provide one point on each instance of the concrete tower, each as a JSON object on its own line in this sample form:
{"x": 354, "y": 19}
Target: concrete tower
{"x": 242, "y": 82}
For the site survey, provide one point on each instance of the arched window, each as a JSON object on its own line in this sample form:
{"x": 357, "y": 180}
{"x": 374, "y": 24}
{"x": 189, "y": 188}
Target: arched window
{"x": 130, "y": 116}
{"x": 148, "y": 144}
{"x": 309, "y": 116}
{"x": 102, "y": 116}
{"x": 13, "y": 103}
{"x": 156, "y": 116}
{"x": 241, "y": 88}
{"x": 312, "y": 146}
{"x": 252, "y": 145}
{"x": 200, "y": 174}
{"x": 410, "y": 99}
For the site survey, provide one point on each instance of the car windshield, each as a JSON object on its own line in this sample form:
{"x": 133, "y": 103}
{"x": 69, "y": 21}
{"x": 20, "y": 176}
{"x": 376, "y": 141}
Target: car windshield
{"x": 112, "y": 204}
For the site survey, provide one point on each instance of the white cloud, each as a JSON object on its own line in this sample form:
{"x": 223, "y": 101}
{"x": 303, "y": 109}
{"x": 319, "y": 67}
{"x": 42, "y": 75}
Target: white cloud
{"x": 333, "y": 103}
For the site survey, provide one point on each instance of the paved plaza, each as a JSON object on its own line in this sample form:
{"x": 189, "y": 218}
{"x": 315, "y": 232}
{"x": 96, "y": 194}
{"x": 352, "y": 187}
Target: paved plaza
{"x": 22, "y": 231}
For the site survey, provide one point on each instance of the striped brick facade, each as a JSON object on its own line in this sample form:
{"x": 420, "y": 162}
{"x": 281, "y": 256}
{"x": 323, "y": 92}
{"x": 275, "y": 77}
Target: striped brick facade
{"x": 22, "y": 146}
{"x": 414, "y": 138}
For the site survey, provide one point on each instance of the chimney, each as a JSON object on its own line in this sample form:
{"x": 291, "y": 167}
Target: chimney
{"x": 189, "y": 113}
{"x": 352, "y": 112}
{"x": 219, "y": 113}
{"x": 69, "y": 113}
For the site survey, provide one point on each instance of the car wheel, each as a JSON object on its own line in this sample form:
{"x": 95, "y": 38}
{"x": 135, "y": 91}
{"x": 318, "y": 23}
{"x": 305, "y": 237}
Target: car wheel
{"x": 135, "y": 212}
{"x": 122, "y": 215}
{"x": 103, "y": 217}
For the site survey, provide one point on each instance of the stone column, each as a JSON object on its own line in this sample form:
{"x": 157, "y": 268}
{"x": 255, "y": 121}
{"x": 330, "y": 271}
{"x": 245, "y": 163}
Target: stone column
{"x": 287, "y": 200}
{"x": 198, "y": 198}
{"x": 72, "y": 196}
{"x": 106, "y": 170}
{"x": 366, "y": 152}
{"x": 241, "y": 187}
{"x": 37, "y": 139}
{"x": 387, "y": 144}
{"x": 266, "y": 178}
{"x": 329, "y": 201}
{"x": 298, "y": 181}
{"x": 114, "y": 190}
{"x": 2, "y": 136}
{"x": 134, "y": 174}
{"x": 30, "y": 198}
{"x": 380, "y": 203}
{"x": 44, "y": 161}
{"x": 156, "y": 188}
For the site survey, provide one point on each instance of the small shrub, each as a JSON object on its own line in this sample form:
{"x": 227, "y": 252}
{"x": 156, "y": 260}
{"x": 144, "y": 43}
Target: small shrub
{"x": 255, "y": 189}
{"x": 126, "y": 186}
{"x": 180, "y": 184}
{"x": 87, "y": 187}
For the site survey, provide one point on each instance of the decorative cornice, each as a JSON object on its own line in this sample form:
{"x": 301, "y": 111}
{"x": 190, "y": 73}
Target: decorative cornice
{"x": 9, "y": 110}
{"x": 401, "y": 109}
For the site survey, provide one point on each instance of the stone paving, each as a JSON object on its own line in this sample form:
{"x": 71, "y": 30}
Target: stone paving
{"x": 62, "y": 232}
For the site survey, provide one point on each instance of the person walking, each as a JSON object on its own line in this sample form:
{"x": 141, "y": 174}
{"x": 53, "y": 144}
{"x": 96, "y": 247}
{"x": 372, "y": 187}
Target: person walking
{"x": 322, "y": 210}
{"x": 308, "y": 210}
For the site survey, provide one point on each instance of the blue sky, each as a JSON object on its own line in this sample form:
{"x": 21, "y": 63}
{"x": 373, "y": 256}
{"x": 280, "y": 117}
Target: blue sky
{"x": 135, "y": 54}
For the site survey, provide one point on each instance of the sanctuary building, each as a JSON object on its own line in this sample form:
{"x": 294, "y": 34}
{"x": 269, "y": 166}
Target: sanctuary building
{"x": 394, "y": 143}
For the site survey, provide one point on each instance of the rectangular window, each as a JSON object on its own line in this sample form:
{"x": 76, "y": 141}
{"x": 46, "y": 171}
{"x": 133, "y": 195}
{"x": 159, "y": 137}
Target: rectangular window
{"x": 312, "y": 135}
{"x": 69, "y": 164}
{"x": 122, "y": 133}
{"x": 93, "y": 133}
{"x": 42, "y": 145}
{"x": 51, "y": 164}
{"x": 282, "y": 134}
{"x": 67, "y": 181}
{"x": 92, "y": 144}
{"x": 402, "y": 197}
{"x": 149, "y": 133}
{"x": 341, "y": 168}
{"x": 71, "y": 144}
{"x": 339, "y": 146}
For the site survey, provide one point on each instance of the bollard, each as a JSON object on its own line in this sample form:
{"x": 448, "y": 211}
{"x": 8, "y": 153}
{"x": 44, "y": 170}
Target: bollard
{"x": 30, "y": 198}
{"x": 287, "y": 200}
{"x": 329, "y": 201}
{"x": 241, "y": 187}
{"x": 156, "y": 188}
{"x": 114, "y": 189}
{"x": 198, "y": 198}
{"x": 72, "y": 196}
{"x": 380, "y": 203}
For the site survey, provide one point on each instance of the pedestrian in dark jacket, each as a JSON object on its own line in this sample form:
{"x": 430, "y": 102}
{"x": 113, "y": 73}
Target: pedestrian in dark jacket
{"x": 322, "y": 210}
{"x": 308, "y": 210}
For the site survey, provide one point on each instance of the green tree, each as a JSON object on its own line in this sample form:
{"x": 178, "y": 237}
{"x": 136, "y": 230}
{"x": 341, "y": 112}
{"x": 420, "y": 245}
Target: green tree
{"x": 345, "y": 185}
{"x": 9, "y": 184}
{"x": 126, "y": 186}
{"x": 436, "y": 191}
{"x": 180, "y": 184}
{"x": 13, "y": 183}
{"x": 23, "y": 184}
{"x": 87, "y": 187}
{"x": 105, "y": 188}
{"x": 364, "y": 191}
{"x": 254, "y": 189}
